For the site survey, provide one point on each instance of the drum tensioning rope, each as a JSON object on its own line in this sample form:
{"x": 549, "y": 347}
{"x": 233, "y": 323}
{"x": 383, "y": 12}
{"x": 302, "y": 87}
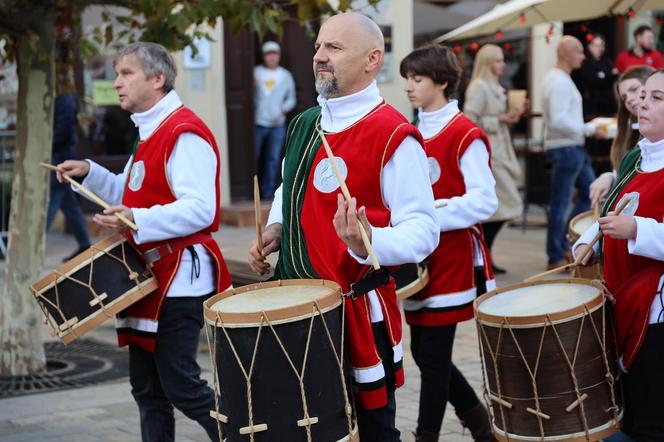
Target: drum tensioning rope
{"x": 307, "y": 421}
{"x": 96, "y": 297}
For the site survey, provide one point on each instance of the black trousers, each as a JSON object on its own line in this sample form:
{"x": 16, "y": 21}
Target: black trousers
{"x": 379, "y": 425}
{"x": 170, "y": 377}
{"x": 491, "y": 230}
{"x": 441, "y": 380}
{"x": 644, "y": 389}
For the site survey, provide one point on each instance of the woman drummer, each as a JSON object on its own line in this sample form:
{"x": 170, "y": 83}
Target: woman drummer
{"x": 459, "y": 159}
{"x": 629, "y": 88}
{"x": 633, "y": 267}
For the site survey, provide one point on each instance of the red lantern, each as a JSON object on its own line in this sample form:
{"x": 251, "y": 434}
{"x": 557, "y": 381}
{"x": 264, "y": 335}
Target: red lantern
{"x": 457, "y": 48}
{"x": 499, "y": 36}
{"x": 631, "y": 13}
{"x": 474, "y": 46}
{"x": 507, "y": 47}
{"x": 583, "y": 28}
{"x": 522, "y": 18}
{"x": 589, "y": 37}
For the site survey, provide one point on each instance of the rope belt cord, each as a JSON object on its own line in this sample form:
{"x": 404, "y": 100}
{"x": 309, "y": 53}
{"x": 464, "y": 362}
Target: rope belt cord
{"x": 307, "y": 421}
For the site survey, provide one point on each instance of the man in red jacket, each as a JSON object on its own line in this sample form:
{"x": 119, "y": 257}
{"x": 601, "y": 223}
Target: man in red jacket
{"x": 643, "y": 53}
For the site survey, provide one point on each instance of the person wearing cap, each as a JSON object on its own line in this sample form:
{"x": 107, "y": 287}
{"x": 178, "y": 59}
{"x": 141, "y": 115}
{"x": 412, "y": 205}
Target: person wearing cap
{"x": 275, "y": 97}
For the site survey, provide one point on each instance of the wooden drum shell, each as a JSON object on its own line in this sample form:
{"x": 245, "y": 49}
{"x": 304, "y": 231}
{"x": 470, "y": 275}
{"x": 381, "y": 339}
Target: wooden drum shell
{"x": 276, "y": 399}
{"x": 513, "y": 340}
{"x": 119, "y": 277}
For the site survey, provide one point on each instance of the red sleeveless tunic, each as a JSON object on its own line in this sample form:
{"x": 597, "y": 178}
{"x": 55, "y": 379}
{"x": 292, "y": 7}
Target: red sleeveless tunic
{"x": 448, "y": 297}
{"x": 362, "y": 150}
{"x": 152, "y": 155}
{"x": 634, "y": 279}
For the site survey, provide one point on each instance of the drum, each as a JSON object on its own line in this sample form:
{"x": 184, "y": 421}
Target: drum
{"x": 410, "y": 279}
{"x": 549, "y": 361}
{"x": 577, "y": 225}
{"x": 93, "y": 287}
{"x": 278, "y": 364}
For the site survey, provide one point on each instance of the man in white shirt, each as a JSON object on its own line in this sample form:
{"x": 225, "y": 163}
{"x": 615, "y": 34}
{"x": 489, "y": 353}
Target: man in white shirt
{"x": 274, "y": 97}
{"x": 385, "y": 167}
{"x": 564, "y": 146}
{"x": 170, "y": 190}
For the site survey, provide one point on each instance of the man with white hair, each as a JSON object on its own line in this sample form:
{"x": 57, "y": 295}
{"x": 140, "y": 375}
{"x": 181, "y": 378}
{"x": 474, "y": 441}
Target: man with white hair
{"x": 274, "y": 97}
{"x": 170, "y": 189}
{"x": 382, "y": 160}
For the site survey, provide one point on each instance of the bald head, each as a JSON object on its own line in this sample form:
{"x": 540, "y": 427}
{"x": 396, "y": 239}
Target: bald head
{"x": 366, "y": 30}
{"x": 569, "y": 53}
{"x": 349, "y": 54}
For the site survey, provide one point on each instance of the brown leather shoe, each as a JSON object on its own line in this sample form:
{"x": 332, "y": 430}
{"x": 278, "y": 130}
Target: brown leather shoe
{"x": 477, "y": 421}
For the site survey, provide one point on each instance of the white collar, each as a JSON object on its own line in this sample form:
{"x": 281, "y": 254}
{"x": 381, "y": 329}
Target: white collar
{"x": 340, "y": 113}
{"x": 652, "y": 155}
{"x": 148, "y": 121}
{"x": 430, "y": 123}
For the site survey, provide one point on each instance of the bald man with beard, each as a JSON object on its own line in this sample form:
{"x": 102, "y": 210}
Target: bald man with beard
{"x": 383, "y": 163}
{"x": 564, "y": 146}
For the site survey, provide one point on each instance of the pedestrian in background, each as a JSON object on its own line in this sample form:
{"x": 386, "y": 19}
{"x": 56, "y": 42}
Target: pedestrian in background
{"x": 564, "y": 146}
{"x": 486, "y": 104}
{"x": 64, "y": 147}
{"x": 275, "y": 97}
{"x": 597, "y": 77}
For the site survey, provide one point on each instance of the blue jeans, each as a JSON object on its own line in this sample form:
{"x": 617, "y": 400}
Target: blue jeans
{"x": 171, "y": 376}
{"x": 63, "y": 198}
{"x": 570, "y": 168}
{"x": 269, "y": 141}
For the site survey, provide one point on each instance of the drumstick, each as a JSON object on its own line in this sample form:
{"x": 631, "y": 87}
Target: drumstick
{"x": 583, "y": 254}
{"x": 257, "y": 213}
{"x": 91, "y": 195}
{"x": 589, "y": 246}
{"x": 346, "y": 193}
{"x": 555, "y": 271}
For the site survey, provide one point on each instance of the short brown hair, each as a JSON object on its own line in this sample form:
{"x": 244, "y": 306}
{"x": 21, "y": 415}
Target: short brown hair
{"x": 436, "y": 62}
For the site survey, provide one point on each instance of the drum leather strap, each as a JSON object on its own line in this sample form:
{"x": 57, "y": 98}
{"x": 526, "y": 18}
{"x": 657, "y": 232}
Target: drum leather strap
{"x": 371, "y": 281}
{"x": 165, "y": 248}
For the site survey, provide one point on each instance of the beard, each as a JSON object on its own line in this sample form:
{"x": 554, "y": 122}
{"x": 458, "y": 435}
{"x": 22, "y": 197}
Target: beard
{"x": 327, "y": 88}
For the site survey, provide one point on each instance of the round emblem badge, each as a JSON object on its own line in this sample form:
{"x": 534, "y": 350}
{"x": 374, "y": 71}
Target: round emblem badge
{"x": 136, "y": 176}
{"x": 434, "y": 170}
{"x": 324, "y": 179}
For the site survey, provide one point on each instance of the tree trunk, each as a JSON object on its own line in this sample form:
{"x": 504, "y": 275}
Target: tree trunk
{"x": 21, "y": 341}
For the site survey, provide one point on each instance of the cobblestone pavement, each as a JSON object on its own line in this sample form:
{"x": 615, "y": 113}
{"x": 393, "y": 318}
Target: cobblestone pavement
{"x": 107, "y": 412}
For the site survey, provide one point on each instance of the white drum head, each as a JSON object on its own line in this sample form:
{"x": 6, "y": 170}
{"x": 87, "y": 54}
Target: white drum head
{"x": 271, "y": 298}
{"x": 583, "y": 223}
{"x": 538, "y": 300}
{"x": 275, "y": 301}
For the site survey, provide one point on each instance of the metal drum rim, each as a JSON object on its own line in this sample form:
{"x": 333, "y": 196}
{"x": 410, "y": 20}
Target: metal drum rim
{"x": 283, "y": 315}
{"x": 537, "y": 320}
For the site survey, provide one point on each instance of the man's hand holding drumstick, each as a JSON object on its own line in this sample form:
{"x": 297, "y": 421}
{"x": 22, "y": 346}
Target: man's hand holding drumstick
{"x": 108, "y": 218}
